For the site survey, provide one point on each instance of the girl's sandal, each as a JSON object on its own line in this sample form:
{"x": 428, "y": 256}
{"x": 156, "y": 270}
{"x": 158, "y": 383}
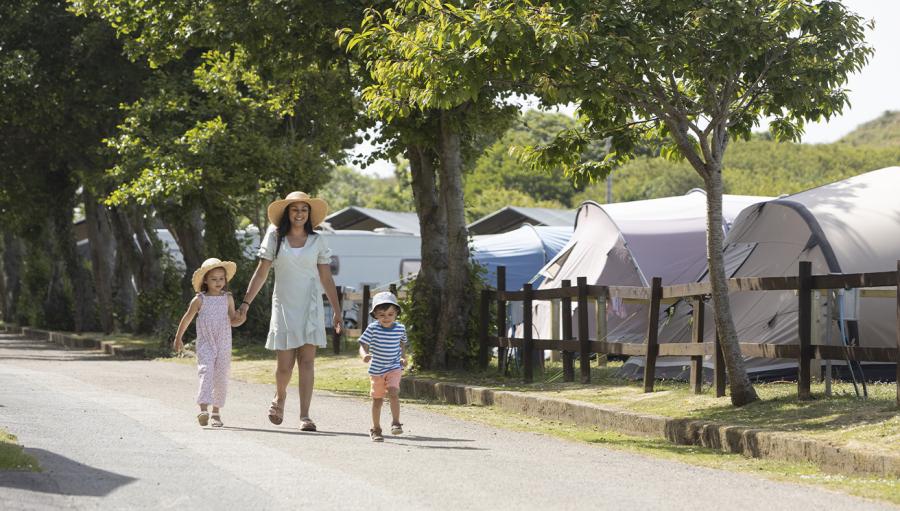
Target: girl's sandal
{"x": 375, "y": 435}
{"x": 203, "y": 418}
{"x": 216, "y": 421}
{"x": 306, "y": 424}
{"x": 276, "y": 413}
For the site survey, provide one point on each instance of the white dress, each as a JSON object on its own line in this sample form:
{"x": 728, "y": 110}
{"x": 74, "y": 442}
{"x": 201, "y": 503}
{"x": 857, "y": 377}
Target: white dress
{"x": 298, "y": 316}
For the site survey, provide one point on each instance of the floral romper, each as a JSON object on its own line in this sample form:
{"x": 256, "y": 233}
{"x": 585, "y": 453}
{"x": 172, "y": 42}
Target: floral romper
{"x": 213, "y": 349}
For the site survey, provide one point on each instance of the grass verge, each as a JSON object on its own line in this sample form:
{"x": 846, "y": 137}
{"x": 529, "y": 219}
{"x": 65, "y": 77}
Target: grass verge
{"x": 13, "y": 457}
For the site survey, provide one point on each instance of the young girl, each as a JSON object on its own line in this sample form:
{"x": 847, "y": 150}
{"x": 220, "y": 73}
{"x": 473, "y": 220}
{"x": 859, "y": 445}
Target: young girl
{"x": 216, "y": 317}
{"x": 383, "y": 347}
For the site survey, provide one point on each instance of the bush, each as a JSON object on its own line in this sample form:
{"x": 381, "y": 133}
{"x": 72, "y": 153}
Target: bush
{"x": 416, "y": 317}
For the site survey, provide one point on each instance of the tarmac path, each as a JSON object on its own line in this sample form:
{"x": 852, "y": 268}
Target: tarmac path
{"x": 114, "y": 434}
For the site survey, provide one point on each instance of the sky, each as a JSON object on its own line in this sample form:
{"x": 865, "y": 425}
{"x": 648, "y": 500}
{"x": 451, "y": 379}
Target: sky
{"x": 872, "y": 91}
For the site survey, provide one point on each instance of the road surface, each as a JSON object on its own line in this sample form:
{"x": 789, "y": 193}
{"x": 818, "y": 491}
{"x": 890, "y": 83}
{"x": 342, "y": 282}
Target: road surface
{"x": 114, "y": 434}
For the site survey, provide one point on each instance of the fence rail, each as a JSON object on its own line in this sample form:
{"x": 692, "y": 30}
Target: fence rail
{"x": 804, "y": 351}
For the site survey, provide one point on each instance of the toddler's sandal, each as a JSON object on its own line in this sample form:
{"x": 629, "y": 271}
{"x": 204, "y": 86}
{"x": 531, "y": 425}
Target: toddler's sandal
{"x": 397, "y": 429}
{"x": 375, "y": 435}
{"x": 203, "y": 418}
{"x": 216, "y": 421}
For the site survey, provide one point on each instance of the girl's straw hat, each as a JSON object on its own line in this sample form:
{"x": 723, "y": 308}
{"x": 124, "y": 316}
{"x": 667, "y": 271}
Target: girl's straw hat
{"x": 212, "y": 263}
{"x": 318, "y": 208}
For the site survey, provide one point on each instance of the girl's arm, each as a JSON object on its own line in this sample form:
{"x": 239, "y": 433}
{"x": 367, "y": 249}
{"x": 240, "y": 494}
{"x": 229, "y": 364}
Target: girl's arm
{"x": 331, "y": 293}
{"x": 189, "y": 314}
{"x": 256, "y": 281}
{"x": 234, "y": 317}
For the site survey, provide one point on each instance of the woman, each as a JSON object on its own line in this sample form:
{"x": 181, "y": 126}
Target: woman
{"x": 301, "y": 260}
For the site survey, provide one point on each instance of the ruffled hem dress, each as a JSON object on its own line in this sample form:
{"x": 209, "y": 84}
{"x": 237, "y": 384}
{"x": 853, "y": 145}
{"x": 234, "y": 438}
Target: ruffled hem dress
{"x": 298, "y": 316}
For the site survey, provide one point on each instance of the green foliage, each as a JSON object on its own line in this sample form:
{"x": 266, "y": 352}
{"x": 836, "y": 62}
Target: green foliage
{"x": 159, "y": 310}
{"x": 348, "y": 187}
{"x": 416, "y": 317}
{"x": 883, "y": 131}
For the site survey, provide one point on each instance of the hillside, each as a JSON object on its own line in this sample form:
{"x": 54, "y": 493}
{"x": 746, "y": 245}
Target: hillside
{"x": 883, "y": 131}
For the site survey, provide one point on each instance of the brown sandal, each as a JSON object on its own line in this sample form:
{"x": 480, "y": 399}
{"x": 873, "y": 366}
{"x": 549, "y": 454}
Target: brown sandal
{"x": 276, "y": 413}
{"x": 306, "y": 424}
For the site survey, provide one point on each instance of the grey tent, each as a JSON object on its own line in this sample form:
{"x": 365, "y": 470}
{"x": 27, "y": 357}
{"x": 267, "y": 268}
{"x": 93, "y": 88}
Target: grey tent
{"x": 850, "y": 226}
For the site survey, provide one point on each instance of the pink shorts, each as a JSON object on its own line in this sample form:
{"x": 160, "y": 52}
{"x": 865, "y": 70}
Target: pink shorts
{"x": 381, "y": 382}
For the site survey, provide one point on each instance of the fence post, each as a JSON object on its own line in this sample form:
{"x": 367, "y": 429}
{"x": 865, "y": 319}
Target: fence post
{"x": 568, "y": 362}
{"x": 804, "y": 326}
{"x": 501, "y": 318}
{"x": 335, "y": 335}
{"x": 393, "y": 288}
{"x": 652, "y": 334}
{"x": 697, "y": 338}
{"x": 898, "y": 333}
{"x": 719, "y": 367}
{"x": 600, "y": 323}
{"x": 484, "y": 317}
{"x": 364, "y": 311}
{"x": 584, "y": 346}
{"x": 528, "y": 345}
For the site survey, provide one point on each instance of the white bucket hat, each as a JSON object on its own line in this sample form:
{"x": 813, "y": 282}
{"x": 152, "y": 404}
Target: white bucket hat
{"x": 212, "y": 263}
{"x": 381, "y": 299}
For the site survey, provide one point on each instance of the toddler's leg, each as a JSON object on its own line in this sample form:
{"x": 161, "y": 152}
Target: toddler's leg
{"x": 376, "y": 413}
{"x": 206, "y": 357}
{"x": 221, "y": 374}
{"x": 394, "y": 395}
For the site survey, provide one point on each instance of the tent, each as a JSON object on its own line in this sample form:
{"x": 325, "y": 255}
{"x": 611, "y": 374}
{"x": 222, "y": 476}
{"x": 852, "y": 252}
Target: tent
{"x": 850, "y": 226}
{"x": 511, "y": 218}
{"x": 370, "y": 219}
{"x": 629, "y": 243}
{"x": 523, "y": 252}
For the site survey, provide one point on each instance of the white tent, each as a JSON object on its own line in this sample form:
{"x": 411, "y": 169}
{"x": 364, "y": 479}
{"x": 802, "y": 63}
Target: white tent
{"x": 850, "y": 226}
{"x": 629, "y": 243}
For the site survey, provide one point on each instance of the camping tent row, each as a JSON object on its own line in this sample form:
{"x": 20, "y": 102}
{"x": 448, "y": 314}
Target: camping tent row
{"x": 850, "y": 226}
{"x": 629, "y": 243}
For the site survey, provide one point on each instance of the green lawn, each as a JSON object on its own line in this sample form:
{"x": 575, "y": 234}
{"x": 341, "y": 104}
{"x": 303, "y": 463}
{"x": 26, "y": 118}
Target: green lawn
{"x": 13, "y": 457}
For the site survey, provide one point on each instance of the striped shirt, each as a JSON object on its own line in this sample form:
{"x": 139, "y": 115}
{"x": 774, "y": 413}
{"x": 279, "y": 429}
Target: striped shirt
{"x": 384, "y": 346}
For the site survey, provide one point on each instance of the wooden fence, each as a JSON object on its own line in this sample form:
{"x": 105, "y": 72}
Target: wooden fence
{"x": 362, "y": 314}
{"x": 804, "y": 351}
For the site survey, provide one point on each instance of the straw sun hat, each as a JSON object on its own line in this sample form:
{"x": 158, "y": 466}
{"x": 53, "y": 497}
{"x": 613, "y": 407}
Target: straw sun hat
{"x": 211, "y": 264}
{"x": 318, "y": 208}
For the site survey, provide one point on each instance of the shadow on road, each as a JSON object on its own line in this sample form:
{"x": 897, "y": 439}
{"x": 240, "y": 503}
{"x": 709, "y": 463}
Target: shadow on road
{"x": 64, "y": 476}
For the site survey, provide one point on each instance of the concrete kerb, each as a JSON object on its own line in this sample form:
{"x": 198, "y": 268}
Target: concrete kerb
{"x": 750, "y": 442}
{"x": 69, "y": 341}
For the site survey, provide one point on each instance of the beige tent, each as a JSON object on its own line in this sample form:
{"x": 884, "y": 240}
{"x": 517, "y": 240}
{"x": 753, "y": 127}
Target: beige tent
{"x": 851, "y": 226}
{"x": 629, "y": 243}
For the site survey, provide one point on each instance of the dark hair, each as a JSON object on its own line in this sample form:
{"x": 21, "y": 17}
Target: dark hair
{"x": 385, "y": 306}
{"x": 284, "y": 226}
{"x": 204, "y": 288}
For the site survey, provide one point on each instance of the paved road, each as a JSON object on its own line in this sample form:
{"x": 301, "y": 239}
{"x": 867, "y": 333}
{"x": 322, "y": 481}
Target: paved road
{"x": 122, "y": 435}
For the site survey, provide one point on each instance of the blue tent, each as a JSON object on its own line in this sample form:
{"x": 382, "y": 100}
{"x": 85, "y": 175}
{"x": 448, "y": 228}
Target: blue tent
{"x": 523, "y": 251}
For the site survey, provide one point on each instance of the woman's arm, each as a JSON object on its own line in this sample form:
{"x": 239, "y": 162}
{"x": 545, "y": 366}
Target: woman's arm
{"x": 331, "y": 293}
{"x": 256, "y": 281}
{"x": 189, "y": 314}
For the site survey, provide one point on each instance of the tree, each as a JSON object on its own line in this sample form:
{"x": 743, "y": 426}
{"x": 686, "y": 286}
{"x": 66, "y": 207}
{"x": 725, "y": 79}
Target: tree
{"x": 699, "y": 74}
{"x": 438, "y": 101}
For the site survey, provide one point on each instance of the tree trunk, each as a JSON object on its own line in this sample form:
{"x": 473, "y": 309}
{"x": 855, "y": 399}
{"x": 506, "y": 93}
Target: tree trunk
{"x": 742, "y": 391}
{"x": 220, "y": 238}
{"x": 186, "y": 227}
{"x": 456, "y": 305}
{"x": 12, "y": 272}
{"x": 3, "y": 296}
{"x": 429, "y": 288}
{"x": 102, "y": 242}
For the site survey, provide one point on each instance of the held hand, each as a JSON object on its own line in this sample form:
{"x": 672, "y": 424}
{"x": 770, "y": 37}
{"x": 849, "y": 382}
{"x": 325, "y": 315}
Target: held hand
{"x": 336, "y": 321}
{"x": 242, "y": 310}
